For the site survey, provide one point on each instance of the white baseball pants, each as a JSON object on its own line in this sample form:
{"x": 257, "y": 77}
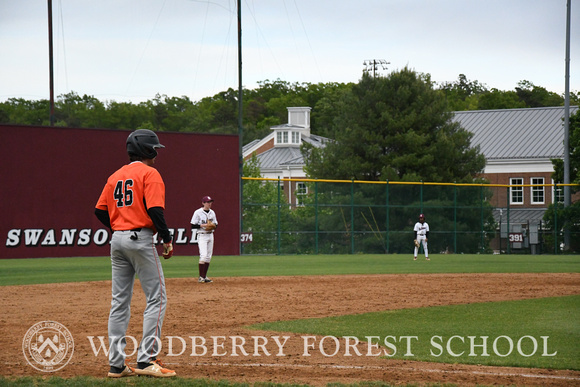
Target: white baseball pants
{"x": 422, "y": 239}
{"x": 135, "y": 253}
{"x": 205, "y": 244}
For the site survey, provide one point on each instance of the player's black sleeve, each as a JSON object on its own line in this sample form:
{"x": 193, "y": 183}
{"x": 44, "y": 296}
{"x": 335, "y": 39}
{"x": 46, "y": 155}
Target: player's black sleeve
{"x": 158, "y": 218}
{"x": 427, "y": 234}
{"x": 103, "y": 216}
{"x": 415, "y": 234}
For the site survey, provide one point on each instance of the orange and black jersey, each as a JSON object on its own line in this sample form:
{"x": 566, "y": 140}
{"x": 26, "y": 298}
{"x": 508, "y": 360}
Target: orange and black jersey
{"x": 133, "y": 198}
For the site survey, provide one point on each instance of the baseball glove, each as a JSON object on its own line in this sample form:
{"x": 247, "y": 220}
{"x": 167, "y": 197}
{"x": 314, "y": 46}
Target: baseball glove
{"x": 210, "y": 226}
{"x": 167, "y": 250}
{"x": 416, "y": 243}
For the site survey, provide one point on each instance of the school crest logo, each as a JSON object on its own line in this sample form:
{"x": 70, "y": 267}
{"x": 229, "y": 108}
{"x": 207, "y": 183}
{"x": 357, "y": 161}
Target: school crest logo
{"x": 48, "y": 346}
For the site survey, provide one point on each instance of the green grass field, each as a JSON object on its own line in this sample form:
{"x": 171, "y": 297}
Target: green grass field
{"x": 53, "y": 270}
{"x": 556, "y": 318}
{"x": 522, "y": 321}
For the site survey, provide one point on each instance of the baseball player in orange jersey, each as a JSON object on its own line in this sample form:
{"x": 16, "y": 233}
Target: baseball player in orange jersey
{"x": 132, "y": 205}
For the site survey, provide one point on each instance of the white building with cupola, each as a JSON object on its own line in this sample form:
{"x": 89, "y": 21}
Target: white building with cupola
{"x": 279, "y": 153}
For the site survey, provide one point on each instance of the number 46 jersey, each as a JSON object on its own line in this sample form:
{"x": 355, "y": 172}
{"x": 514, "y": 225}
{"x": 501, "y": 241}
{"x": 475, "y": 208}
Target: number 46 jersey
{"x": 129, "y": 192}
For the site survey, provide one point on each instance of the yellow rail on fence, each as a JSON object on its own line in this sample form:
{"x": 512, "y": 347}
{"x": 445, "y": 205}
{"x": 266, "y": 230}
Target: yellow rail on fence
{"x": 410, "y": 182}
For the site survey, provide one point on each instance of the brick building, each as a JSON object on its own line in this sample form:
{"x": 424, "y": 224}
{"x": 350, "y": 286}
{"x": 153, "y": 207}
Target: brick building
{"x": 518, "y": 145}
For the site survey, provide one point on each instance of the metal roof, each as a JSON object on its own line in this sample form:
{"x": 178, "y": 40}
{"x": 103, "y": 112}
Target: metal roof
{"x": 317, "y": 141}
{"x": 287, "y": 126}
{"x": 519, "y": 215}
{"x": 250, "y": 144}
{"x": 297, "y": 161}
{"x": 281, "y": 156}
{"x": 516, "y": 133}
{"x": 274, "y": 157}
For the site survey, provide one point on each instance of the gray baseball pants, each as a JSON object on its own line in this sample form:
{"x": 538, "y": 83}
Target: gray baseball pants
{"x": 133, "y": 253}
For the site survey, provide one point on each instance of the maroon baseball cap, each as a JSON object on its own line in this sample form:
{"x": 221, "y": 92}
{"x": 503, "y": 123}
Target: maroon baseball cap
{"x": 206, "y": 199}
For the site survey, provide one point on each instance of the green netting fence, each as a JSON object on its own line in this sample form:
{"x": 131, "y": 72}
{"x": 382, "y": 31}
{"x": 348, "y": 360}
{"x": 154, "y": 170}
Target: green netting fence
{"x": 304, "y": 216}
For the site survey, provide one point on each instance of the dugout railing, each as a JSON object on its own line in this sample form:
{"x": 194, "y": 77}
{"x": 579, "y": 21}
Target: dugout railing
{"x": 312, "y": 216}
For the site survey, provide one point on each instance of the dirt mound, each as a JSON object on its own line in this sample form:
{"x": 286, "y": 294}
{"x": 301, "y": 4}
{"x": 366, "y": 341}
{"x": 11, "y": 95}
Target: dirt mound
{"x": 211, "y": 318}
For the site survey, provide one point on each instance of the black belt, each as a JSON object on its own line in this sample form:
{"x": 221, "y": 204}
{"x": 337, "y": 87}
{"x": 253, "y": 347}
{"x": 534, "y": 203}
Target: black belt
{"x": 136, "y": 229}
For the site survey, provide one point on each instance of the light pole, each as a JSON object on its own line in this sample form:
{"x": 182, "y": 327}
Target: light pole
{"x": 240, "y": 126}
{"x": 567, "y": 196}
{"x": 371, "y": 65}
{"x": 50, "y": 65}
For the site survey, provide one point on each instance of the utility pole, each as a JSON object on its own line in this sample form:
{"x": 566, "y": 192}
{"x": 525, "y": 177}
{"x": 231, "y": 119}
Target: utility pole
{"x": 50, "y": 60}
{"x": 372, "y": 65}
{"x": 567, "y": 195}
{"x": 240, "y": 127}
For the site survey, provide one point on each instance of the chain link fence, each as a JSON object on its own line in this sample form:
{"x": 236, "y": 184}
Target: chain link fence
{"x": 291, "y": 216}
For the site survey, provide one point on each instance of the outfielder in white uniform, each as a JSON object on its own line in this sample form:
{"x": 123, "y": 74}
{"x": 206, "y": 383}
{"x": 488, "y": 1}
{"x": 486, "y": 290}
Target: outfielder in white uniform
{"x": 200, "y": 220}
{"x": 421, "y": 234}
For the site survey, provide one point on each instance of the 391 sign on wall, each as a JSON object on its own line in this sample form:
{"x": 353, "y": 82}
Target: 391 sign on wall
{"x": 516, "y": 237}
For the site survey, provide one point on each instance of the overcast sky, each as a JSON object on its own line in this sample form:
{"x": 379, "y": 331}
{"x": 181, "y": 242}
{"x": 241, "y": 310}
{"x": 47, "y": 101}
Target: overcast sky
{"x": 130, "y": 50}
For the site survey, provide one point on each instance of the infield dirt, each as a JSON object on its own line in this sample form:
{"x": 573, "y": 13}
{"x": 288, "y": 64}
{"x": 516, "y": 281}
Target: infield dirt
{"x": 225, "y": 307}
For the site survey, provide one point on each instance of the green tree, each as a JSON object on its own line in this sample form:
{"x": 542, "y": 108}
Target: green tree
{"x": 72, "y": 110}
{"x": 125, "y": 115}
{"x": 574, "y": 146}
{"x": 264, "y": 210}
{"x": 24, "y": 112}
{"x": 536, "y": 96}
{"x": 395, "y": 128}
{"x": 463, "y": 94}
{"x": 324, "y": 110}
{"x": 497, "y": 99}
{"x": 263, "y": 107}
{"x": 557, "y": 217}
{"x": 463, "y": 87}
{"x": 225, "y": 112}
{"x": 575, "y": 98}
{"x": 173, "y": 114}
{"x": 179, "y": 112}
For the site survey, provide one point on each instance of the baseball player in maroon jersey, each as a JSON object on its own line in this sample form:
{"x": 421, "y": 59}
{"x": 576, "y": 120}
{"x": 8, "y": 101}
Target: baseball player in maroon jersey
{"x": 421, "y": 230}
{"x": 205, "y": 221}
{"x": 132, "y": 205}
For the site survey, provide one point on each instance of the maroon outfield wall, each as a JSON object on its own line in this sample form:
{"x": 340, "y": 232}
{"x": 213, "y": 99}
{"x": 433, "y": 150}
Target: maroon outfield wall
{"x": 51, "y": 178}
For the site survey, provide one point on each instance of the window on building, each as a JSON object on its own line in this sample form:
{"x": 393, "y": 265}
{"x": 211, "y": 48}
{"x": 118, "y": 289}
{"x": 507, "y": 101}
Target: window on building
{"x": 282, "y": 137}
{"x": 295, "y": 137}
{"x": 538, "y": 193}
{"x": 516, "y": 193}
{"x": 301, "y": 192}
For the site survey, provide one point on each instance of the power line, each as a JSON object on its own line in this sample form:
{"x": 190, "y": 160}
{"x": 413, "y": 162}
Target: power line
{"x": 372, "y": 65}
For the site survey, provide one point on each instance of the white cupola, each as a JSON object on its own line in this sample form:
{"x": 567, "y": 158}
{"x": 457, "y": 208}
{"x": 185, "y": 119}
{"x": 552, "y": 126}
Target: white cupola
{"x": 298, "y": 126}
